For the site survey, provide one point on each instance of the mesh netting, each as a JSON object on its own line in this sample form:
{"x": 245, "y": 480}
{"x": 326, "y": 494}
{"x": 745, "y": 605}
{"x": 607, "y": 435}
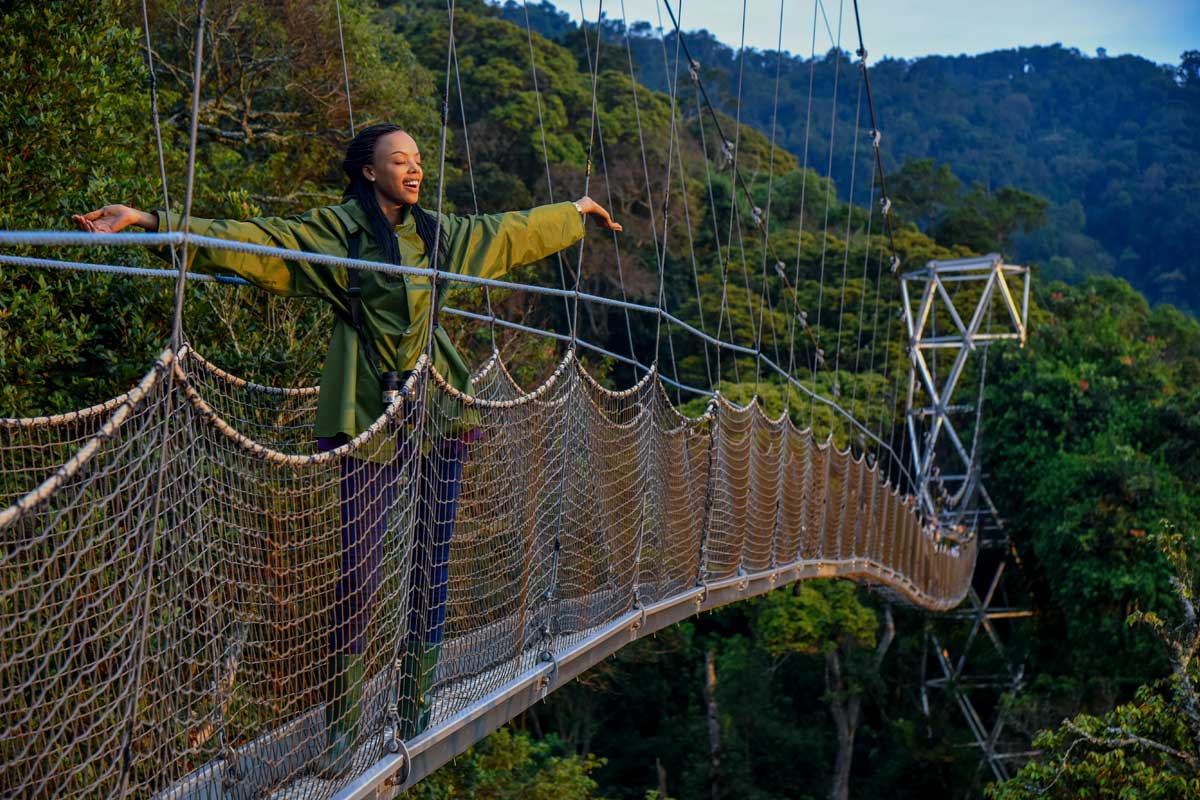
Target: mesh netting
{"x": 194, "y": 598}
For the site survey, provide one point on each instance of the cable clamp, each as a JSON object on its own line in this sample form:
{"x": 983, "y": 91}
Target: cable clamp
{"x": 861, "y": 53}
{"x": 401, "y": 776}
{"x": 727, "y": 152}
{"x": 694, "y": 70}
{"x": 544, "y": 681}
{"x": 876, "y": 137}
{"x": 803, "y": 318}
{"x": 886, "y": 203}
{"x": 391, "y": 731}
{"x": 896, "y": 266}
{"x": 757, "y": 213}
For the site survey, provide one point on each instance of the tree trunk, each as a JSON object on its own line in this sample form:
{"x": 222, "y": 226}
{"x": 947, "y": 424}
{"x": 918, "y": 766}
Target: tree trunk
{"x": 845, "y": 718}
{"x": 846, "y": 709}
{"x": 714, "y": 724}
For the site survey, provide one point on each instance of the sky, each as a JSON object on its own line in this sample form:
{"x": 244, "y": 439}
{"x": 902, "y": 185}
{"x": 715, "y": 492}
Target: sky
{"x": 1155, "y": 29}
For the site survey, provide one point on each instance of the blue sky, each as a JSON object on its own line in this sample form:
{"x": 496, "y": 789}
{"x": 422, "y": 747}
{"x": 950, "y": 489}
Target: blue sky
{"x": 1156, "y": 29}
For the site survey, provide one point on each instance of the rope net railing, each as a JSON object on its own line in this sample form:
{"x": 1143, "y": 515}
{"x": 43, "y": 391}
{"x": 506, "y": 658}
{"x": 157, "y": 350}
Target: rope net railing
{"x": 172, "y": 586}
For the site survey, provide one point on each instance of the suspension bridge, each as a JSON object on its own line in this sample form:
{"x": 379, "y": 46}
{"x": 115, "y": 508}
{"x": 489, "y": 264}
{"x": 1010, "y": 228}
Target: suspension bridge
{"x": 171, "y": 554}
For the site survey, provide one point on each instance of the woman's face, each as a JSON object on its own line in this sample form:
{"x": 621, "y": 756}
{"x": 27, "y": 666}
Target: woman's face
{"x": 396, "y": 169}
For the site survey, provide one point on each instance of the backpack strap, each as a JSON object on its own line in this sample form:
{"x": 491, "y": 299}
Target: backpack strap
{"x": 354, "y": 300}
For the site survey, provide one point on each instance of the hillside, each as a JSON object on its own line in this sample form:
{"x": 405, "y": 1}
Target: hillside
{"x": 1112, "y": 143}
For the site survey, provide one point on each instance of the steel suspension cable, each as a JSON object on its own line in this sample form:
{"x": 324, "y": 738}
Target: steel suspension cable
{"x": 633, "y": 359}
{"x": 637, "y": 114}
{"x": 734, "y": 210}
{"x": 462, "y": 112}
{"x": 820, "y": 354}
{"x": 673, "y": 146}
{"x": 337, "y": 5}
{"x": 876, "y": 136}
{"x": 722, "y": 262}
{"x": 158, "y": 142}
{"x": 770, "y": 186}
{"x": 799, "y": 314}
{"x": 537, "y": 98}
{"x": 587, "y": 175}
{"x": 862, "y": 298}
{"x": 682, "y": 175}
{"x": 837, "y": 358}
{"x": 148, "y": 551}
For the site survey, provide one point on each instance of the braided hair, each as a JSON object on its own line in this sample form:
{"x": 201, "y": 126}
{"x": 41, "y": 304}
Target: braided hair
{"x": 361, "y": 153}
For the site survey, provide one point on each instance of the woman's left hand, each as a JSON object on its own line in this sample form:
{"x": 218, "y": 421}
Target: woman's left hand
{"x": 590, "y": 207}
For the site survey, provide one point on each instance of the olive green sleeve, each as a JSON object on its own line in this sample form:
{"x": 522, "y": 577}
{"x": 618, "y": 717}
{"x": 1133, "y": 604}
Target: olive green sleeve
{"x": 489, "y": 245}
{"x": 315, "y": 231}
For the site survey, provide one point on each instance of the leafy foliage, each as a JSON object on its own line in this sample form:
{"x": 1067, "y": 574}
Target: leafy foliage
{"x": 1110, "y": 142}
{"x": 1143, "y": 748}
{"x": 511, "y": 764}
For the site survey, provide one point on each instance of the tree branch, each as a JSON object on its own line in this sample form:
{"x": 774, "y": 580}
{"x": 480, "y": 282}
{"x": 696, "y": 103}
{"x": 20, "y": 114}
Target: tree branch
{"x": 1119, "y": 737}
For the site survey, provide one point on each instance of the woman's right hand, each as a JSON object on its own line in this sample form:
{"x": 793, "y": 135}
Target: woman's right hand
{"x": 115, "y": 218}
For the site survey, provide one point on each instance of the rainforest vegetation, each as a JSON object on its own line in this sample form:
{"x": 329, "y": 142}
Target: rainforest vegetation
{"x": 1082, "y": 167}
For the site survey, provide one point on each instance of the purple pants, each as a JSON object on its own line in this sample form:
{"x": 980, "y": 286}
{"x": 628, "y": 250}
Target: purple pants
{"x": 369, "y": 499}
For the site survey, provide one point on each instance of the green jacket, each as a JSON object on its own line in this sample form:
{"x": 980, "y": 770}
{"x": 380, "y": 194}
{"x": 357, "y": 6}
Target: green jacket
{"x": 395, "y": 310}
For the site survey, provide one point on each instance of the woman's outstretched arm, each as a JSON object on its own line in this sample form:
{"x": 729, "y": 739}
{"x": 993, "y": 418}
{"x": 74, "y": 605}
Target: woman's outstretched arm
{"x": 316, "y": 231}
{"x": 489, "y": 245}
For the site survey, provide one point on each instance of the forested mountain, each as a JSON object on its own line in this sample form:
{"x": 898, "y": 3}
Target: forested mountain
{"x": 1112, "y": 143}
{"x": 1093, "y": 430}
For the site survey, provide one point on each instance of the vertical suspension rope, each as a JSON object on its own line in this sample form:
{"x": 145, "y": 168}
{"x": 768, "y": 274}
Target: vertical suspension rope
{"x": 734, "y": 150}
{"x": 435, "y": 256}
{"x": 637, "y": 113}
{"x": 177, "y": 324}
{"x": 337, "y": 5}
{"x": 837, "y": 358}
{"x": 796, "y": 310}
{"x": 537, "y": 97}
{"x": 616, "y": 241}
{"x": 820, "y": 355}
{"x": 462, "y": 112}
{"x": 862, "y": 299}
{"x": 687, "y": 217}
{"x": 673, "y": 93}
{"x": 762, "y": 301}
{"x": 587, "y": 175}
{"x": 162, "y": 161}
{"x": 148, "y": 548}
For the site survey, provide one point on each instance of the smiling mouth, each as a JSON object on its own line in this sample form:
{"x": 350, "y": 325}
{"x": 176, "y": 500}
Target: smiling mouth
{"x": 412, "y": 185}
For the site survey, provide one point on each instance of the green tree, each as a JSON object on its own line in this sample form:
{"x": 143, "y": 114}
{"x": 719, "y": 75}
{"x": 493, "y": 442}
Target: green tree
{"x": 510, "y": 764}
{"x": 830, "y": 620}
{"x": 1148, "y": 747}
{"x": 922, "y": 191}
{"x": 74, "y": 126}
{"x": 1093, "y": 432}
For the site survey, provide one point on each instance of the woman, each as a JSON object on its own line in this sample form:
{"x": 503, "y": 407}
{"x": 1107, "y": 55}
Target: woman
{"x": 383, "y": 327}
